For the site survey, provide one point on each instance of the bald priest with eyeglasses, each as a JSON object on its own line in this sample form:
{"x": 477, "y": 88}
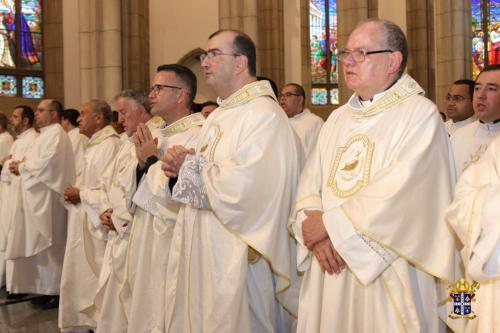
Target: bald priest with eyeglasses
{"x": 369, "y": 212}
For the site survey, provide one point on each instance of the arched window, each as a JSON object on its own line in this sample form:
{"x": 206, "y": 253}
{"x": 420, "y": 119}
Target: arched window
{"x": 21, "y": 56}
{"x": 485, "y": 34}
{"x": 323, "y": 45}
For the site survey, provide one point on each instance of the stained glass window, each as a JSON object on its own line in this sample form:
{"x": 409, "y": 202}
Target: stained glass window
{"x": 323, "y": 46}
{"x": 485, "y": 34}
{"x": 8, "y": 85}
{"x": 32, "y": 87}
{"x": 21, "y": 51}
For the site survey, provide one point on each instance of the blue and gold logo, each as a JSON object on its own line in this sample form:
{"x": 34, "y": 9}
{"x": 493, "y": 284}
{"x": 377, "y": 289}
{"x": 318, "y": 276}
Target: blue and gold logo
{"x": 463, "y": 296}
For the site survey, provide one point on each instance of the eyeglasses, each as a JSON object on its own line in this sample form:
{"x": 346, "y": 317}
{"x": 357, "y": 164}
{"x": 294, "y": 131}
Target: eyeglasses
{"x": 288, "y": 94}
{"x": 454, "y": 98}
{"x": 157, "y": 87}
{"x": 358, "y": 55}
{"x": 210, "y": 54}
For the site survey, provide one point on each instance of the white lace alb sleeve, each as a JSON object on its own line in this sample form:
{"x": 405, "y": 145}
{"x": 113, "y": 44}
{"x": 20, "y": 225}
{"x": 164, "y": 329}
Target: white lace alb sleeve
{"x": 189, "y": 188}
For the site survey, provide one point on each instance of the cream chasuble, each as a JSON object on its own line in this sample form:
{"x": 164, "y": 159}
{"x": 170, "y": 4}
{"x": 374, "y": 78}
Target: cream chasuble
{"x": 6, "y": 141}
{"x": 381, "y": 175}
{"x": 144, "y": 292}
{"x": 215, "y": 282}
{"x": 86, "y": 239}
{"x": 114, "y": 192}
{"x": 307, "y": 126}
{"x": 35, "y": 243}
{"x": 470, "y": 142}
{"x": 11, "y": 208}
{"x": 474, "y": 215}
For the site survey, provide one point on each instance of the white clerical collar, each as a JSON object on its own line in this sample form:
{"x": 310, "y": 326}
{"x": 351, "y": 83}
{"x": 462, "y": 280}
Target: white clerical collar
{"x": 371, "y": 101}
{"x": 489, "y": 127}
{"x": 43, "y": 129}
{"x": 23, "y": 134}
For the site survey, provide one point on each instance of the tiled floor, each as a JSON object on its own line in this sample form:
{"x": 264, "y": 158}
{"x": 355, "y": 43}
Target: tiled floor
{"x": 23, "y": 318}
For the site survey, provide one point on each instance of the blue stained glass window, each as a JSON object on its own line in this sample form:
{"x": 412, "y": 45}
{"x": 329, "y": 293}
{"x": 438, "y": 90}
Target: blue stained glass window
{"x": 334, "y": 96}
{"x": 21, "y": 51}
{"x": 319, "y": 96}
{"x": 33, "y": 87}
{"x": 8, "y": 85}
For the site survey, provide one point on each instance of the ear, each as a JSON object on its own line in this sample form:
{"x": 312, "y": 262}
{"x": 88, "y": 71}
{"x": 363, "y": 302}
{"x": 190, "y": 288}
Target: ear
{"x": 241, "y": 64}
{"x": 182, "y": 96}
{"x": 396, "y": 60}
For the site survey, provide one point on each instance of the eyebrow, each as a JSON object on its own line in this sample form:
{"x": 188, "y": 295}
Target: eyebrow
{"x": 215, "y": 49}
{"x": 489, "y": 84}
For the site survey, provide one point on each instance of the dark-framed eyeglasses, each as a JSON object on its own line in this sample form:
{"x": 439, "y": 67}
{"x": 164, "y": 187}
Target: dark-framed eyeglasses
{"x": 210, "y": 54}
{"x": 156, "y": 88}
{"x": 454, "y": 98}
{"x": 287, "y": 94}
{"x": 359, "y": 55}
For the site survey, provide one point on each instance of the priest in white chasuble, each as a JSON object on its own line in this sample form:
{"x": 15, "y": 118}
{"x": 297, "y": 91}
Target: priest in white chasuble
{"x": 172, "y": 94}
{"x": 69, "y": 121}
{"x": 230, "y": 265}
{"x": 305, "y": 123}
{"x": 86, "y": 236}
{"x": 471, "y": 141}
{"x": 371, "y": 200}
{"x": 36, "y": 241}
{"x": 110, "y": 201}
{"x": 11, "y": 208}
{"x": 474, "y": 215}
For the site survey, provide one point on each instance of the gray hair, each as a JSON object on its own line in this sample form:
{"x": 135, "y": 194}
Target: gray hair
{"x": 395, "y": 39}
{"x": 138, "y": 97}
{"x": 101, "y": 106}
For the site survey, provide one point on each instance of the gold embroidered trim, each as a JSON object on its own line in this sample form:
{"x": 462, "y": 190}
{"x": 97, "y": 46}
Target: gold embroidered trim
{"x": 403, "y": 89}
{"x": 247, "y": 93}
{"x": 183, "y": 124}
{"x": 154, "y": 122}
{"x": 213, "y": 145}
{"x": 104, "y": 133}
{"x": 366, "y": 166}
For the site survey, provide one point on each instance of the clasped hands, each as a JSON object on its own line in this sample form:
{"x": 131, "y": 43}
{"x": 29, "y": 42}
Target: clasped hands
{"x": 72, "y": 195}
{"x": 317, "y": 240}
{"x": 14, "y": 167}
{"x": 106, "y": 220}
{"x": 173, "y": 159}
{"x": 145, "y": 144}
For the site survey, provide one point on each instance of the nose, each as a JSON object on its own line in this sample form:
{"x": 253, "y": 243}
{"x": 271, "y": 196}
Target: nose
{"x": 204, "y": 63}
{"x": 480, "y": 93}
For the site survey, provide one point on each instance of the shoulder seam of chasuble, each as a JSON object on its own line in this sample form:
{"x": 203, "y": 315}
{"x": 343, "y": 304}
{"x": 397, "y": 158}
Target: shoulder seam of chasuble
{"x": 246, "y": 94}
{"x": 103, "y": 134}
{"x": 352, "y": 166}
{"x": 183, "y": 124}
{"x": 402, "y": 90}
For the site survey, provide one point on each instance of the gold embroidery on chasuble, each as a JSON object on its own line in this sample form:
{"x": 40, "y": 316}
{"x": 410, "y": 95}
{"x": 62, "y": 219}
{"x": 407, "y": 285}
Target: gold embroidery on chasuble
{"x": 214, "y": 134}
{"x": 352, "y": 166}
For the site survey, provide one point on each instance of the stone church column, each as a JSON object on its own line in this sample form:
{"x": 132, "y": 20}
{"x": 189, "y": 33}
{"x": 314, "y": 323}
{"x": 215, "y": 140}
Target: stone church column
{"x": 453, "y": 45}
{"x": 262, "y": 20}
{"x": 420, "y": 35}
{"x": 135, "y": 39}
{"x": 100, "y": 49}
